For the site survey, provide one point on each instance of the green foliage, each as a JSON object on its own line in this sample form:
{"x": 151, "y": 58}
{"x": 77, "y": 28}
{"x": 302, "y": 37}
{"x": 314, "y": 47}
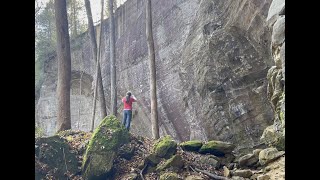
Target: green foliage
{"x": 77, "y": 19}
{"x": 45, "y": 31}
{"x": 45, "y": 42}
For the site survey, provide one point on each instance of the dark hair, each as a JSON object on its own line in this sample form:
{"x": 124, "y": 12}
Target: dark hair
{"x": 128, "y": 96}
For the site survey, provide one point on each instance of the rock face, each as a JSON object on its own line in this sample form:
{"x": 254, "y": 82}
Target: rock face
{"x": 102, "y": 148}
{"x": 212, "y": 58}
{"x": 274, "y": 135}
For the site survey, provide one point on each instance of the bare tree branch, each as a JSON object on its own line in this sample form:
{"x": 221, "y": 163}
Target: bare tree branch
{"x": 214, "y": 176}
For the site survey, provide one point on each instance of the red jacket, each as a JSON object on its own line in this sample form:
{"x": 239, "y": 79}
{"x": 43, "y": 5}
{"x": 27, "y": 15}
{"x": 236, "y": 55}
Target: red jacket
{"x": 128, "y": 106}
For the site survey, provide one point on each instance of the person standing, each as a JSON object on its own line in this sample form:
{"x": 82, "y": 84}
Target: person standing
{"x": 127, "y": 109}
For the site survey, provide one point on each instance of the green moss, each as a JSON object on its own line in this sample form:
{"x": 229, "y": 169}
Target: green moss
{"x": 191, "y": 145}
{"x": 101, "y": 150}
{"x": 217, "y": 148}
{"x": 165, "y": 147}
{"x": 169, "y": 176}
{"x": 175, "y": 162}
{"x": 109, "y": 135}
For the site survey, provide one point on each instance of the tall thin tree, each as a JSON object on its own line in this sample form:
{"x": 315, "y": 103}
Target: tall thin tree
{"x": 74, "y": 14}
{"x": 98, "y": 79}
{"x": 64, "y": 66}
{"x": 112, "y": 61}
{"x": 152, "y": 68}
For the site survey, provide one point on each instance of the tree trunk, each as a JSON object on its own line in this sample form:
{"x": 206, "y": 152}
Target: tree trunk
{"x": 152, "y": 67}
{"x": 112, "y": 61}
{"x": 99, "y": 57}
{"x": 79, "y": 111}
{"x": 64, "y": 66}
{"x": 94, "y": 52}
{"x": 97, "y": 74}
{"x": 73, "y": 3}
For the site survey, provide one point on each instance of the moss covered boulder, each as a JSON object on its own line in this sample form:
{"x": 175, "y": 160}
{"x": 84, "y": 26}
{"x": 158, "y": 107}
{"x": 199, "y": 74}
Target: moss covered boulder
{"x": 191, "y": 145}
{"x": 169, "y": 176}
{"x": 175, "y": 163}
{"x": 217, "y": 148}
{"x": 54, "y": 153}
{"x": 102, "y": 149}
{"x": 165, "y": 147}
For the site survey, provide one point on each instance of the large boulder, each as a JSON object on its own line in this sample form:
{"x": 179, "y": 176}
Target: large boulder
{"x": 269, "y": 154}
{"x": 217, "y": 148}
{"x": 248, "y": 160}
{"x": 53, "y": 152}
{"x": 165, "y": 147}
{"x": 103, "y": 148}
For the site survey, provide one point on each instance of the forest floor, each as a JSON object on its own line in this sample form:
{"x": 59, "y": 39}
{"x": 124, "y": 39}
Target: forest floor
{"x": 125, "y": 167}
{"x": 143, "y": 146}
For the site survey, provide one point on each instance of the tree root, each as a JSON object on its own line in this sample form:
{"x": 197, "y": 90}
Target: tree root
{"x": 141, "y": 172}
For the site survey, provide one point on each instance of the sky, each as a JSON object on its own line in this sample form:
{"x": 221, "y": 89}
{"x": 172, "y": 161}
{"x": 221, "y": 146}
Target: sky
{"x": 95, "y": 8}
